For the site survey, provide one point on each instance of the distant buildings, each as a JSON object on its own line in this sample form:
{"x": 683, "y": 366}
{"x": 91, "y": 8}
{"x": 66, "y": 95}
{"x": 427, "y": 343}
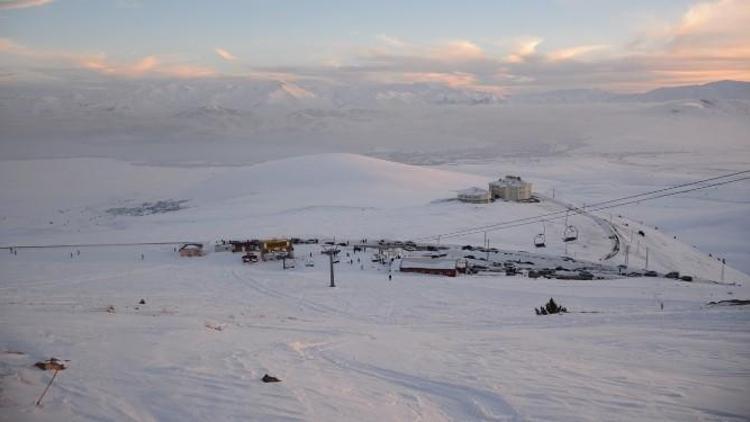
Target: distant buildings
{"x": 446, "y": 267}
{"x": 191, "y": 249}
{"x": 474, "y": 195}
{"x": 512, "y": 188}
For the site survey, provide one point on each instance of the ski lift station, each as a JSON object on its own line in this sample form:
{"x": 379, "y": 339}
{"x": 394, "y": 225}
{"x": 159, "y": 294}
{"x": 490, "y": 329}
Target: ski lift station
{"x": 512, "y": 188}
{"x": 474, "y": 195}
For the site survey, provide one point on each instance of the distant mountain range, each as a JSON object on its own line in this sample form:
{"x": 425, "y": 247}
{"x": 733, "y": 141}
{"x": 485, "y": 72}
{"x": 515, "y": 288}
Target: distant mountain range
{"x": 240, "y": 96}
{"x": 721, "y": 90}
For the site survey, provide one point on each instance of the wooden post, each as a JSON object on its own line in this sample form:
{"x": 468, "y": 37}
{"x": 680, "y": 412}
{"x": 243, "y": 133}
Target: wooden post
{"x": 39, "y": 402}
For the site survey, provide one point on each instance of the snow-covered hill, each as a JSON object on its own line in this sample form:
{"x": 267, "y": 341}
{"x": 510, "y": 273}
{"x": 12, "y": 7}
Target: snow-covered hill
{"x": 326, "y": 195}
{"x": 148, "y": 335}
{"x": 170, "y": 338}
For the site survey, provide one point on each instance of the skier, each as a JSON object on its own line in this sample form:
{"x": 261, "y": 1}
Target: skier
{"x": 390, "y": 277}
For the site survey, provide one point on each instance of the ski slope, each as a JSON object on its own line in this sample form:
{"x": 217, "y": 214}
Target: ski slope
{"x": 347, "y": 196}
{"x": 419, "y": 347}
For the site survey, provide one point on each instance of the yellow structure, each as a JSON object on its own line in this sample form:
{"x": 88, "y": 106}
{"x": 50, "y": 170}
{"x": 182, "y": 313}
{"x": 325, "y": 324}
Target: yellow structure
{"x": 276, "y": 246}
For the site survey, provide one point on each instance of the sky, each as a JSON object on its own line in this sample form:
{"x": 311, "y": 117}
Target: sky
{"x": 494, "y": 46}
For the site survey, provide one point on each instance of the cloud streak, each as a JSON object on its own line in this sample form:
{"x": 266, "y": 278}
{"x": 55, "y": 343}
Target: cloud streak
{"x": 708, "y": 42}
{"x": 226, "y": 55}
{"x": 22, "y": 4}
{"x": 147, "y": 66}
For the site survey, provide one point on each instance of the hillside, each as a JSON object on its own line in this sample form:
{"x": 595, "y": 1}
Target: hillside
{"x": 149, "y": 335}
{"x": 326, "y": 195}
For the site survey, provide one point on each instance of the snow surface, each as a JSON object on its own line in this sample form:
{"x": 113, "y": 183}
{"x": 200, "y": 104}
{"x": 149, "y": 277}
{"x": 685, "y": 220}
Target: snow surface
{"x": 420, "y": 347}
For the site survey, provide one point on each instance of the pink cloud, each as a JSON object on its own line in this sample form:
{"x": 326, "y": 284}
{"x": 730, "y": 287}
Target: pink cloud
{"x": 224, "y": 54}
{"x": 524, "y": 49}
{"x": 575, "y": 52}
{"x": 22, "y": 4}
{"x": 147, "y": 66}
{"x": 460, "y": 50}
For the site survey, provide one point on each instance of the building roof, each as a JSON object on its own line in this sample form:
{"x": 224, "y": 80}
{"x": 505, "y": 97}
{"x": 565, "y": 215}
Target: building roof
{"x": 192, "y": 246}
{"x": 513, "y": 181}
{"x": 428, "y": 263}
{"x": 474, "y": 191}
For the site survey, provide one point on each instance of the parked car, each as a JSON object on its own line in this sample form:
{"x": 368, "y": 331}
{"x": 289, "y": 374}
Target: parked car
{"x": 249, "y": 258}
{"x": 650, "y": 273}
{"x": 686, "y": 278}
{"x": 672, "y": 274}
{"x": 585, "y": 275}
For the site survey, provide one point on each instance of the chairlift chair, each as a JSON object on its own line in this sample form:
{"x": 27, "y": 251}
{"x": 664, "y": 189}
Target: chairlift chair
{"x": 570, "y": 234}
{"x": 539, "y": 241}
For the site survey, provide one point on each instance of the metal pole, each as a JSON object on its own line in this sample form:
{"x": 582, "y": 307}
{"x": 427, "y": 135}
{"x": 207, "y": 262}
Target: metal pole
{"x": 723, "y": 263}
{"x": 330, "y": 257}
{"x": 646, "y": 257}
{"x": 627, "y": 253}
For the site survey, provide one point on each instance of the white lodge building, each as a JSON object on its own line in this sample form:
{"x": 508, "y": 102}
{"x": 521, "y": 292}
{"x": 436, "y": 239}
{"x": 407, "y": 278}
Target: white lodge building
{"x": 512, "y": 188}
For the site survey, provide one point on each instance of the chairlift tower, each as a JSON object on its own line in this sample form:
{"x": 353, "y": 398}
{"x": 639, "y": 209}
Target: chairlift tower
{"x": 331, "y": 252}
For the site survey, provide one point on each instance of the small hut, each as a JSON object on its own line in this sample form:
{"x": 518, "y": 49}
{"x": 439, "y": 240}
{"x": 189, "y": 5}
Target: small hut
{"x": 191, "y": 249}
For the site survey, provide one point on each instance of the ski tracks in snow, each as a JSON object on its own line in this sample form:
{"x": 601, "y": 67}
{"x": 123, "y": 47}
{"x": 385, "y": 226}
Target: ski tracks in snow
{"x": 455, "y": 401}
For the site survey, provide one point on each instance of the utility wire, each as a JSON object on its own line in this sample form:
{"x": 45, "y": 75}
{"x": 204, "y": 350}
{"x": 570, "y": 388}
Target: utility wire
{"x": 477, "y": 231}
{"x": 611, "y": 203}
{"x": 554, "y": 213}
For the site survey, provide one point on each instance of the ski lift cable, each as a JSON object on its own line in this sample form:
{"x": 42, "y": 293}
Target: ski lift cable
{"x": 597, "y": 204}
{"x": 504, "y": 226}
{"x": 613, "y": 203}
